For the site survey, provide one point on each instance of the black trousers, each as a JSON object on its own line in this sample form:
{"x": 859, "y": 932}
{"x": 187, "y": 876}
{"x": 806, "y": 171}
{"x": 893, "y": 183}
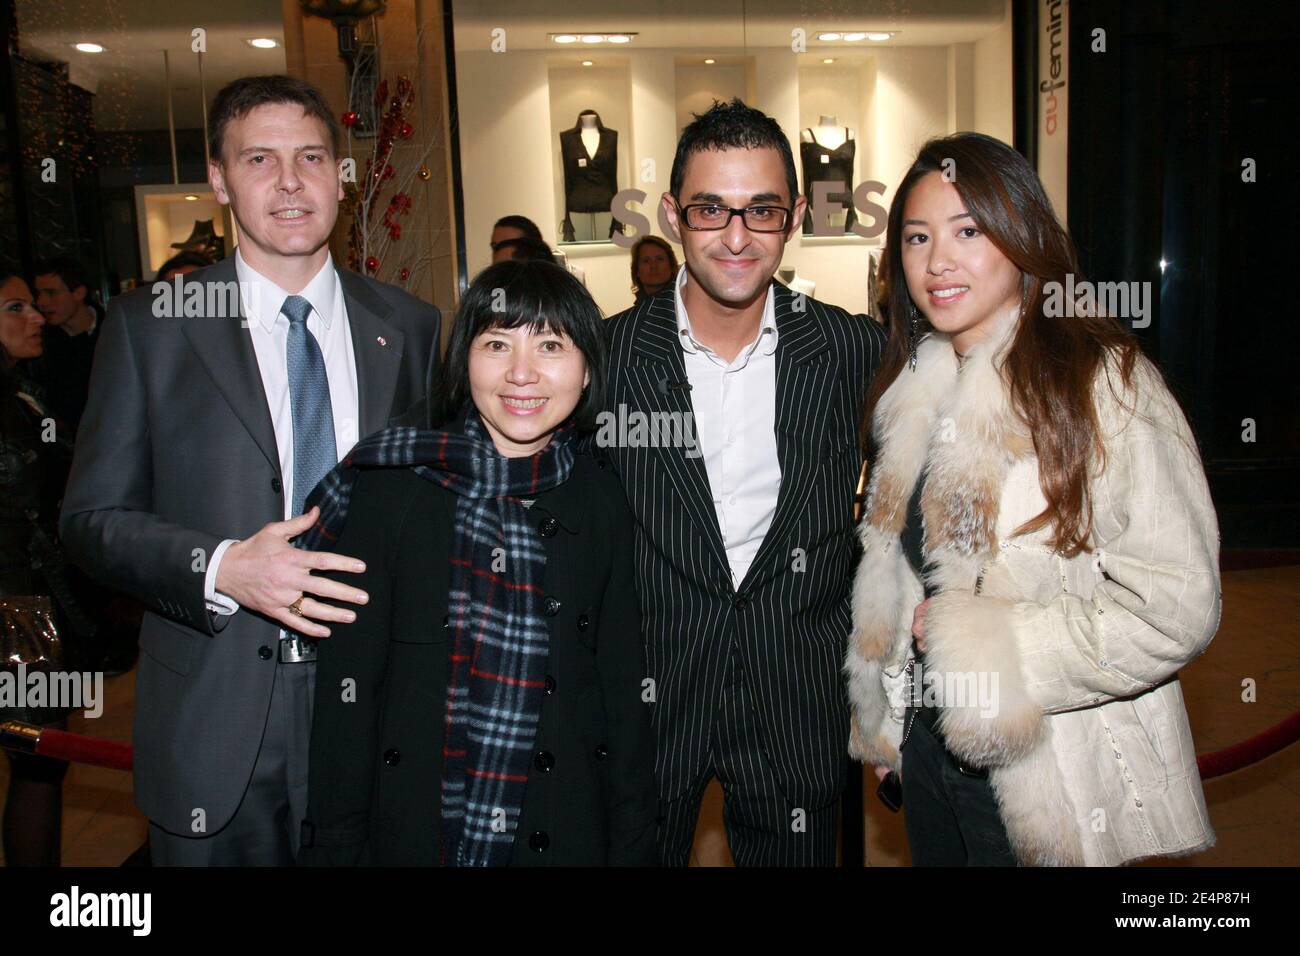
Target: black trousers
{"x": 764, "y": 827}
{"x": 952, "y": 817}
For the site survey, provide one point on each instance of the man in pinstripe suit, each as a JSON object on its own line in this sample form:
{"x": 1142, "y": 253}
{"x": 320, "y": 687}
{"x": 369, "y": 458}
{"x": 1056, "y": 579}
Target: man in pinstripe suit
{"x": 744, "y": 544}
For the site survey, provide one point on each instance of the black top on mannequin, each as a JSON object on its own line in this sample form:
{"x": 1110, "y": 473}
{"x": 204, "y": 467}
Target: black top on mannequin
{"x": 590, "y": 180}
{"x": 825, "y": 165}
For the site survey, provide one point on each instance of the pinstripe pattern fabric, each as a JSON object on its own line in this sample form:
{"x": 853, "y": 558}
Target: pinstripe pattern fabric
{"x": 788, "y": 620}
{"x": 764, "y": 827}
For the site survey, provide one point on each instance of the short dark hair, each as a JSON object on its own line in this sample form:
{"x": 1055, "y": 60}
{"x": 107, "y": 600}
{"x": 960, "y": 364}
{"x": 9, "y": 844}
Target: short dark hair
{"x": 732, "y": 126}
{"x": 187, "y": 257}
{"x": 522, "y": 223}
{"x": 526, "y": 248}
{"x": 238, "y": 98}
{"x": 513, "y": 293}
{"x": 68, "y": 269}
{"x": 651, "y": 241}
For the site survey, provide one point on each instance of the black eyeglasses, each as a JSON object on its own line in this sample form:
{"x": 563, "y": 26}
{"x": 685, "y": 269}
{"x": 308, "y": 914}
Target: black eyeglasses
{"x": 710, "y": 217}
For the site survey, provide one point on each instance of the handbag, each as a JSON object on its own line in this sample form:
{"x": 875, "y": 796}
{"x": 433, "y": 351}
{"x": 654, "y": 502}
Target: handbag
{"x": 29, "y": 644}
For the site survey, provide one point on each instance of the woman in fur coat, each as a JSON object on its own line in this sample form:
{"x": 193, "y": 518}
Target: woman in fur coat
{"x": 1041, "y": 552}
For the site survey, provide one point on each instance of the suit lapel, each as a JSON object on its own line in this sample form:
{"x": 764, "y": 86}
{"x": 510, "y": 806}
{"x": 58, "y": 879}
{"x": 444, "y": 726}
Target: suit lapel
{"x": 377, "y": 346}
{"x": 660, "y": 366}
{"x": 225, "y": 349}
{"x": 803, "y": 374}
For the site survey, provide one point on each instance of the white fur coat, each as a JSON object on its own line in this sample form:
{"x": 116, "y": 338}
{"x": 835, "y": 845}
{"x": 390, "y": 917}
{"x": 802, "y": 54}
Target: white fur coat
{"x": 1058, "y": 674}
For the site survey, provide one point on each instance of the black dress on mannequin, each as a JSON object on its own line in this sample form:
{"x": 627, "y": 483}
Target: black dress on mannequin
{"x": 590, "y": 182}
{"x": 837, "y": 168}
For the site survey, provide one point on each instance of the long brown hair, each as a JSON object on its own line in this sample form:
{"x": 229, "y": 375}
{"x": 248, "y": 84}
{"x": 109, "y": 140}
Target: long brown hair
{"x": 1052, "y": 363}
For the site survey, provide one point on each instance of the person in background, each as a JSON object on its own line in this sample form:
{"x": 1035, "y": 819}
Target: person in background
{"x": 654, "y": 266}
{"x": 28, "y": 510}
{"x": 509, "y": 228}
{"x": 72, "y": 326}
{"x": 182, "y": 263}
{"x": 498, "y": 560}
{"x": 525, "y": 248}
{"x": 1040, "y": 547}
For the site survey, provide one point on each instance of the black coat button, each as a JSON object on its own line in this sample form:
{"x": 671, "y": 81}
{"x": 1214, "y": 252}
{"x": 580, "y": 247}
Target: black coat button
{"x": 551, "y": 606}
{"x": 550, "y": 685}
{"x": 740, "y": 603}
{"x": 544, "y": 761}
{"x": 277, "y": 485}
{"x": 264, "y": 652}
{"x": 392, "y": 756}
{"x": 601, "y": 751}
{"x": 538, "y": 841}
{"x": 583, "y": 622}
{"x": 549, "y": 527}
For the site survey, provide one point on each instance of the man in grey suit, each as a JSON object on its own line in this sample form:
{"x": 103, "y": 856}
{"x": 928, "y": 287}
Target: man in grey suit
{"x": 216, "y": 403}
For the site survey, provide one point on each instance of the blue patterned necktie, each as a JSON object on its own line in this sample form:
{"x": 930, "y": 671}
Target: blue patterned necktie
{"x": 309, "y": 398}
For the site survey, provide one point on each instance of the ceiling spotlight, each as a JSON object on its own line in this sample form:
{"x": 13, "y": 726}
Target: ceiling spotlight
{"x": 89, "y": 47}
{"x": 588, "y": 63}
{"x": 710, "y": 61}
{"x": 565, "y": 38}
{"x": 592, "y": 38}
{"x": 829, "y": 59}
{"x": 828, "y": 37}
{"x": 854, "y": 37}
{"x": 879, "y": 37}
{"x": 190, "y": 197}
{"x": 619, "y": 38}
{"x": 263, "y": 43}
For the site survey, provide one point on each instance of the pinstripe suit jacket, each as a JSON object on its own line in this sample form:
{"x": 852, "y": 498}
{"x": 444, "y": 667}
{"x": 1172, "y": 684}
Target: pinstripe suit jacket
{"x": 789, "y": 618}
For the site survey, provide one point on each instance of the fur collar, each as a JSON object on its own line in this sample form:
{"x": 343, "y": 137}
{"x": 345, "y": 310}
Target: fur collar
{"x": 953, "y": 422}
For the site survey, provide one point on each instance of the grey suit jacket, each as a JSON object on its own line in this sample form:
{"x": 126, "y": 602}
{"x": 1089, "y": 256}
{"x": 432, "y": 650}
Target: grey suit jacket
{"x": 176, "y": 452}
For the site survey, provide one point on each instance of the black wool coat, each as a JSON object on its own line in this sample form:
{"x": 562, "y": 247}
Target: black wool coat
{"x": 375, "y": 765}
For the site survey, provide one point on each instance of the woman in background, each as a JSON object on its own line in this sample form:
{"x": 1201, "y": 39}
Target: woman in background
{"x": 1041, "y": 552}
{"x": 654, "y": 266}
{"x": 29, "y": 499}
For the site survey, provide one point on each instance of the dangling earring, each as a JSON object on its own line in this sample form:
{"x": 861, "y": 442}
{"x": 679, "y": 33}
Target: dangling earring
{"x": 913, "y": 323}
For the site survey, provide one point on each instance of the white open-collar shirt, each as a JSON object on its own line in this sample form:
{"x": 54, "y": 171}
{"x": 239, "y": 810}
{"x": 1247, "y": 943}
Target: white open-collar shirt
{"x": 735, "y": 419}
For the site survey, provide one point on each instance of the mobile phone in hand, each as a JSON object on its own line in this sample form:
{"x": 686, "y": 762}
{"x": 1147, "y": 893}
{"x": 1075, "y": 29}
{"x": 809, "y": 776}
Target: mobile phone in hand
{"x": 890, "y": 791}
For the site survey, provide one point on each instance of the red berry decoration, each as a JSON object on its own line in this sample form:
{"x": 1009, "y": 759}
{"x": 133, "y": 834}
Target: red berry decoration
{"x": 395, "y": 231}
{"x": 349, "y": 119}
{"x": 406, "y": 131}
{"x": 404, "y": 273}
{"x": 372, "y": 264}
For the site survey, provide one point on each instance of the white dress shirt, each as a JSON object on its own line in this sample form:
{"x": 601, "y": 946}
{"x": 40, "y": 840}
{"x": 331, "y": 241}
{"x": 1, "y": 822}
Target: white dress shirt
{"x": 735, "y": 418}
{"x": 262, "y": 300}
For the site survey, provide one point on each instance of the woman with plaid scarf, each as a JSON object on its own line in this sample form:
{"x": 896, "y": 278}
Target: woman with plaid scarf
{"x": 486, "y": 707}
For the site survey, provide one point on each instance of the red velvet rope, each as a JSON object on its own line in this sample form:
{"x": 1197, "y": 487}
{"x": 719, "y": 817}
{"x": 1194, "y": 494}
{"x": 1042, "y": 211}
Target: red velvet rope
{"x": 1251, "y": 750}
{"x": 77, "y": 748}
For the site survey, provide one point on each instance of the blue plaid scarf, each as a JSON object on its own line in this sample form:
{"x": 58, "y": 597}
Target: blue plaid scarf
{"x": 499, "y": 636}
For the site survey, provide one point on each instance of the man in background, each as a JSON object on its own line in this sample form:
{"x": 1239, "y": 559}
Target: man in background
{"x": 71, "y": 332}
